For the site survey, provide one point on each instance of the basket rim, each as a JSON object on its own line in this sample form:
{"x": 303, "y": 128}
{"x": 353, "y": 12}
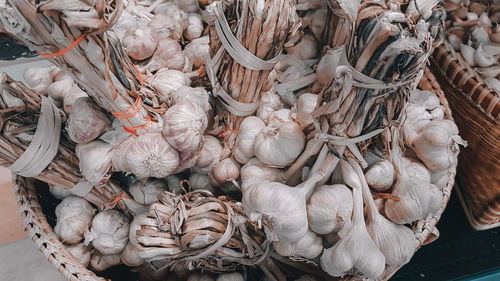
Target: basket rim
{"x": 35, "y": 222}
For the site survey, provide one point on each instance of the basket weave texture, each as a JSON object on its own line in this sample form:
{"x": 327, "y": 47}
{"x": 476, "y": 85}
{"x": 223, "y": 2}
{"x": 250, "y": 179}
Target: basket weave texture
{"x": 476, "y": 110}
{"x": 39, "y": 230}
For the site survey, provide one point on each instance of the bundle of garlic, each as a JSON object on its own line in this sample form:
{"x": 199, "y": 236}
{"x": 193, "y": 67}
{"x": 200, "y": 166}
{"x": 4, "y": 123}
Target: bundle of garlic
{"x": 74, "y": 217}
{"x": 473, "y": 30}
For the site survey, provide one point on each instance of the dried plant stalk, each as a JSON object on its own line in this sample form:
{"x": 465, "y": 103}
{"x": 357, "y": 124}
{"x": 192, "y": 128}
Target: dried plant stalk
{"x": 97, "y": 62}
{"x": 18, "y": 125}
{"x": 264, "y": 28}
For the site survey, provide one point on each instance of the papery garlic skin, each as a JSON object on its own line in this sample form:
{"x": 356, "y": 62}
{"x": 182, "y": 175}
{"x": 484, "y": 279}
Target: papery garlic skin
{"x": 233, "y": 276}
{"x": 329, "y": 208}
{"x": 309, "y": 247}
{"x": 147, "y": 193}
{"x": 95, "y": 160}
{"x": 226, "y": 170}
{"x": 303, "y": 109}
{"x": 279, "y": 117}
{"x": 140, "y": 43}
{"x": 197, "y": 51}
{"x": 184, "y": 125}
{"x": 380, "y": 175}
{"x": 99, "y": 262}
{"x": 196, "y": 95}
{"x": 210, "y": 154}
{"x": 130, "y": 256}
{"x": 74, "y": 216}
{"x": 80, "y": 252}
{"x": 150, "y": 155}
{"x": 109, "y": 232}
{"x": 71, "y": 96}
{"x": 87, "y": 121}
{"x": 279, "y": 147}
{"x": 194, "y": 27}
{"x": 254, "y": 172}
{"x": 59, "y": 192}
{"x": 167, "y": 81}
{"x": 134, "y": 226}
{"x": 58, "y": 89}
{"x": 168, "y": 54}
{"x": 244, "y": 146}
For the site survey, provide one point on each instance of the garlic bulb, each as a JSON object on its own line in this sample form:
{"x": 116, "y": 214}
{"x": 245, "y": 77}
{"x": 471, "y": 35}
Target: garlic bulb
{"x": 59, "y": 192}
{"x": 483, "y": 58}
{"x": 468, "y": 54}
{"x": 188, "y": 159}
{"x": 279, "y": 146}
{"x": 39, "y": 78}
{"x": 100, "y": 262}
{"x": 244, "y": 146}
{"x": 210, "y": 154}
{"x": 380, "y": 175}
{"x": 285, "y": 206}
{"x": 226, "y": 170}
{"x": 318, "y": 22}
{"x": 233, "y": 276}
{"x": 437, "y": 145}
{"x": 147, "y": 193}
{"x": 303, "y": 109}
{"x": 80, "y": 252}
{"x": 168, "y": 27}
{"x": 269, "y": 102}
{"x": 355, "y": 249}
{"x": 329, "y": 208}
{"x": 184, "y": 125}
{"x": 150, "y": 155}
{"x": 58, "y": 89}
{"x": 74, "y": 216}
{"x": 197, "y": 51}
{"x": 134, "y": 226}
{"x": 58, "y": 74}
{"x": 396, "y": 242}
{"x": 201, "y": 182}
{"x": 279, "y": 117}
{"x": 109, "y": 232}
{"x": 194, "y": 28}
{"x": 87, "y": 121}
{"x": 417, "y": 196}
{"x": 309, "y": 247}
{"x": 255, "y": 172}
{"x": 95, "y": 160}
{"x": 71, "y": 96}
{"x": 173, "y": 184}
{"x": 168, "y": 54}
{"x": 172, "y": 10}
{"x": 196, "y": 95}
{"x": 306, "y": 49}
{"x": 130, "y": 256}
{"x": 140, "y": 42}
{"x": 167, "y": 81}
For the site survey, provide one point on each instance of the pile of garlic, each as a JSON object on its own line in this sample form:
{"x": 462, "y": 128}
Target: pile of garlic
{"x": 474, "y": 31}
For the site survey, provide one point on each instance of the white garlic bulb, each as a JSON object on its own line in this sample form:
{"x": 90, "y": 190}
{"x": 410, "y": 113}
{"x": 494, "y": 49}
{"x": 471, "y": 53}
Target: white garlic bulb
{"x": 201, "y": 182}
{"x": 279, "y": 146}
{"x": 194, "y": 27}
{"x": 130, "y": 256}
{"x": 233, "y": 276}
{"x": 140, "y": 42}
{"x": 197, "y": 51}
{"x": 226, "y": 170}
{"x": 196, "y": 95}
{"x": 71, "y": 96}
{"x": 279, "y": 117}
{"x": 329, "y": 208}
{"x": 417, "y": 196}
{"x": 87, "y": 121}
{"x": 244, "y": 146}
{"x": 306, "y": 49}
{"x": 355, "y": 249}
{"x": 188, "y": 159}
{"x": 39, "y": 78}
{"x": 99, "y": 262}
{"x": 309, "y": 247}
{"x": 74, "y": 216}
{"x": 269, "y": 102}
{"x": 134, "y": 226}
{"x": 303, "y": 109}
{"x": 59, "y": 192}
{"x": 210, "y": 154}
{"x": 174, "y": 20}
{"x": 147, "y": 193}
{"x": 380, "y": 175}
{"x": 59, "y": 75}
{"x": 150, "y": 155}
{"x": 95, "y": 160}
{"x": 80, "y": 252}
{"x": 255, "y": 172}
{"x": 58, "y": 89}
{"x": 437, "y": 145}
{"x": 168, "y": 54}
{"x": 109, "y": 232}
{"x": 167, "y": 81}
{"x": 284, "y": 205}
{"x": 184, "y": 125}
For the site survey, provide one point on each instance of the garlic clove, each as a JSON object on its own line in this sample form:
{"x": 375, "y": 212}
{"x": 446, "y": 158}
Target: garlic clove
{"x": 380, "y": 175}
{"x": 244, "y": 146}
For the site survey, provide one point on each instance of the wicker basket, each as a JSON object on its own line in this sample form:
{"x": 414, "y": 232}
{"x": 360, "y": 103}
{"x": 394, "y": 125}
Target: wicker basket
{"x": 30, "y": 198}
{"x": 476, "y": 109}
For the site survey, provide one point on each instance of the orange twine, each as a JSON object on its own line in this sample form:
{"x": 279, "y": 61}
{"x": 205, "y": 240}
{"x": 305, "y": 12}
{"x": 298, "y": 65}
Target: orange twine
{"x": 138, "y": 74}
{"x": 201, "y": 70}
{"x": 224, "y": 134}
{"x": 133, "y": 130}
{"x": 134, "y": 107}
{"x": 116, "y": 200}
{"x": 65, "y": 50}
